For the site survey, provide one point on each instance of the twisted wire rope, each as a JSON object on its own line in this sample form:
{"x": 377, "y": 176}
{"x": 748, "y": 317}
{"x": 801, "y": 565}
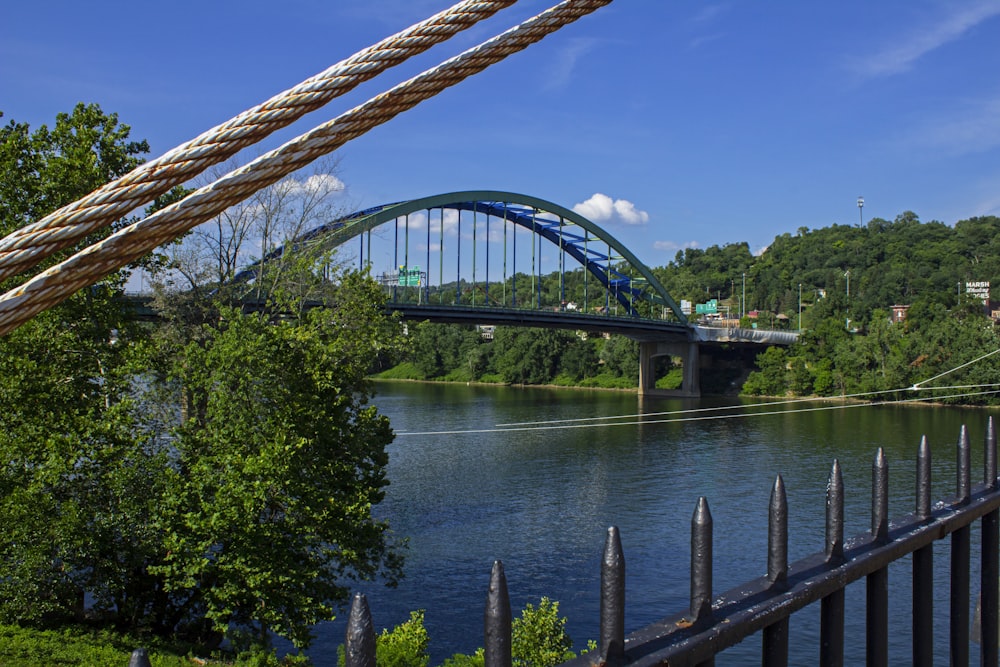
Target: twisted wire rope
{"x": 25, "y": 247}
{"x": 99, "y": 260}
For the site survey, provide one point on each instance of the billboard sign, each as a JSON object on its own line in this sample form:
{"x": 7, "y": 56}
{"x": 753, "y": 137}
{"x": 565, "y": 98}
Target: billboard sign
{"x": 979, "y": 289}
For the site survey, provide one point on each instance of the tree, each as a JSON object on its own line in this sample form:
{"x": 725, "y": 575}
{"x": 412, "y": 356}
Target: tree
{"x": 185, "y": 478}
{"x": 528, "y": 356}
{"x": 579, "y": 359}
{"x": 438, "y": 349}
{"x": 72, "y": 498}
{"x": 48, "y": 168}
{"x": 278, "y": 461}
{"x": 771, "y": 378}
{"x": 621, "y": 357}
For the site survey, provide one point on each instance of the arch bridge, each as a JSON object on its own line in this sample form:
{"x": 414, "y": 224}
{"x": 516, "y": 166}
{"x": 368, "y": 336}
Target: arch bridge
{"x": 503, "y": 258}
{"x": 485, "y": 248}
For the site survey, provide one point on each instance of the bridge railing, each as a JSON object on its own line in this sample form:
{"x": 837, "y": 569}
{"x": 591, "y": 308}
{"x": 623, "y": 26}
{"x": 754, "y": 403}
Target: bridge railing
{"x": 763, "y": 606}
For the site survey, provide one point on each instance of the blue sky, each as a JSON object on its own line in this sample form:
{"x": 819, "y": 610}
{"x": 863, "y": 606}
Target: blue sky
{"x": 692, "y": 123}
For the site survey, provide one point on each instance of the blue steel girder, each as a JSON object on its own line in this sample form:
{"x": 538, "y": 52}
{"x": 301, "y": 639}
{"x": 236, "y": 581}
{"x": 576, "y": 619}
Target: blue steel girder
{"x": 599, "y": 264}
{"x": 525, "y": 211}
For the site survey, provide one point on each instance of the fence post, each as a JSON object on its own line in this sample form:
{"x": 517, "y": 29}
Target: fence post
{"x": 359, "y": 639}
{"x": 989, "y": 617}
{"x": 775, "y": 641}
{"x": 701, "y": 569}
{"x": 139, "y": 658}
{"x": 877, "y": 583}
{"x": 923, "y": 568}
{"x": 832, "y": 606}
{"x": 497, "y": 620}
{"x": 612, "y": 645}
{"x": 701, "y": 563}
{"x": 961, "y": 552}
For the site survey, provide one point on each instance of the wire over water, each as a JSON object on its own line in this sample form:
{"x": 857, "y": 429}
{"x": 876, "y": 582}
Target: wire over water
{"x": 560, "y": 425}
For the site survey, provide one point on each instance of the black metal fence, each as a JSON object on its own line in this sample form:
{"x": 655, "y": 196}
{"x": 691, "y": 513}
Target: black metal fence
{"x": 713, "y": 623}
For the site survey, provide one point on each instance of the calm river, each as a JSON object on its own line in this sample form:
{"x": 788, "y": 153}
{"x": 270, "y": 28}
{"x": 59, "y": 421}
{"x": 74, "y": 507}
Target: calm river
{"x": 541, "y": 501}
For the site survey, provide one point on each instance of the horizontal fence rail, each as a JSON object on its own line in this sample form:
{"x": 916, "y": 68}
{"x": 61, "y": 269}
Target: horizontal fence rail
{"x": 713, "y": 623}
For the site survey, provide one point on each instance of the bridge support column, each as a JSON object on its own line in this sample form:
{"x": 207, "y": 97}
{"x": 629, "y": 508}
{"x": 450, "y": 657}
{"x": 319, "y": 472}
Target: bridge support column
{"x": 690, "y": 358}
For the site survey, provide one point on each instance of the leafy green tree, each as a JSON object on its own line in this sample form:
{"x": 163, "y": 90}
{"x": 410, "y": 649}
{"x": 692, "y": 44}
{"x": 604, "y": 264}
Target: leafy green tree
{"x": 51, "y": 167}
{"x": 621, "y": 357}
{"x": 74, "y": 497}
{"x": 579, "y": 359}
{"x": 528, "y": 356}
{"x": 214, "y": 471}
{"x": 277, "y": 464}
{"x": 539, "y": 637}
{"x": 772, "y": 377}
{"x": 437, "y": 349}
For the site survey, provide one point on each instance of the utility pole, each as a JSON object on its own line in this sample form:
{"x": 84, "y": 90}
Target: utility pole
{"x": 847, "y": 274}
{"x": 743, "y": 305}
{"x": 800, "y": 306}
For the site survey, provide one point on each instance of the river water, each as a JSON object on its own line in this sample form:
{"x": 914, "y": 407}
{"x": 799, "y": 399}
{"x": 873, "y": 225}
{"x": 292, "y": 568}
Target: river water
{"x": 541, "y": 501}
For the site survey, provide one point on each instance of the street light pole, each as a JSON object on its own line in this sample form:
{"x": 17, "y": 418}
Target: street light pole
{"x": 800, "y": 306}
{"x": 861, "y": 205}
{"x": 743, "y": 305}
{"x": 847, "y": 274}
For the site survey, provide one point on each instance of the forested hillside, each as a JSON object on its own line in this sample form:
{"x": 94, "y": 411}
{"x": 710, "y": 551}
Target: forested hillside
{"x": 849, "y": 345}
{"x": 839, "y": 281}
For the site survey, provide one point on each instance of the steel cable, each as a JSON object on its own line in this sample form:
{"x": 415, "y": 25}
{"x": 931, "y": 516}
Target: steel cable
{"x": 25, "y": 247}
{"x": 99, "y": 260}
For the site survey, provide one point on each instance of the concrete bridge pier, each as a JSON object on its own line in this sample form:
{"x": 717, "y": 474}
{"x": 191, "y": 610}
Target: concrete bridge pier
{"x": 690, "y": 358}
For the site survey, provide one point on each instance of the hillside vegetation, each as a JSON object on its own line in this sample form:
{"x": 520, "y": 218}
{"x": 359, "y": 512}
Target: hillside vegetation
{"x": 840, "y": 282}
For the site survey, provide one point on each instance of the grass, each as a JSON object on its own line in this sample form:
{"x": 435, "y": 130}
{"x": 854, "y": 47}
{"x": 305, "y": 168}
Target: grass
{"x": 404, "y": 371}
{"x": 24, "y": 647}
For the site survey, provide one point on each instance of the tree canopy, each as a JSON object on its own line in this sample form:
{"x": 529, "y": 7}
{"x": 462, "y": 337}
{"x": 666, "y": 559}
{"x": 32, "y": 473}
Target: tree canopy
{"x": 214, "y": 472}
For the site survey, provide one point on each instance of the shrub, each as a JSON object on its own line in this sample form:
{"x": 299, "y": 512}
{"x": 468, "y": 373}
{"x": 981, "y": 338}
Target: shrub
{"x": 405, "y": 645}
{"x": 538, "y": 636}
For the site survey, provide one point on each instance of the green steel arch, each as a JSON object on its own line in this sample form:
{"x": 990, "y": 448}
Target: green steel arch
{"x": 522, "y": 210}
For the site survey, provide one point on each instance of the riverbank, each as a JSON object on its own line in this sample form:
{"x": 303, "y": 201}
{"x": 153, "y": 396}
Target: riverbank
{"x": 389, "y": 377}
{"x": 407, "y": 372}
{"x": 480, "y": 383}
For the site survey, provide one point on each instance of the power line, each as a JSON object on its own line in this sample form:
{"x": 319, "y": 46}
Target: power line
{"x": 641, "y": 418}
{"x": 645, "y": 422}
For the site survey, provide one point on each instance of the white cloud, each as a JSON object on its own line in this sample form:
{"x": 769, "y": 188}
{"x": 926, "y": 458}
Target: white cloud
{"x": 449, "y": 221}
{"x": 601, "y": 208}
{"x": 414, "y": 221}
{"x": 629, "y": 214}
{"x": 561, "y": 69}
{"x": 910, "y": 48}
{"x": 709, "y": 13}
{"x": 673, "y": 245}
{"x": 321, "y": 184}
{"x": 972, "y": 129}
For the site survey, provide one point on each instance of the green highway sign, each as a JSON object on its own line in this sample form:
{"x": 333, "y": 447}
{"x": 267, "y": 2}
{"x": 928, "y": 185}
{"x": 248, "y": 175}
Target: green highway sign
{"x": 409, "y": 277}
